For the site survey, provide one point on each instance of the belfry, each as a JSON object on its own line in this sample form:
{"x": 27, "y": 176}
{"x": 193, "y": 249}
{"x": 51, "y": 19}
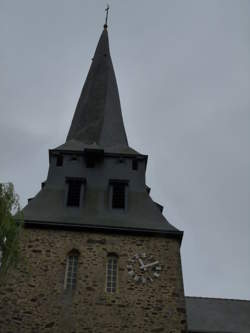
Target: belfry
{"x": 100, "y": 255}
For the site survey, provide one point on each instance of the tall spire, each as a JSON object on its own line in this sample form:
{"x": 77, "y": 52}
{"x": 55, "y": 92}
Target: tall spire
{"x": 98, "y": 117}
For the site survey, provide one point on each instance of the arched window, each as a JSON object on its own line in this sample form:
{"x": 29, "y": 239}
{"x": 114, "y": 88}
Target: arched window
{"x": 112, "y": 262}
{"x": 71, "y": 270}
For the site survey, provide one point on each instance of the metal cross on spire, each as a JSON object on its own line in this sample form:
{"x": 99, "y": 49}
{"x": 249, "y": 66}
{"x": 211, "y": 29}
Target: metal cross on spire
{"x": 107, "y": 14}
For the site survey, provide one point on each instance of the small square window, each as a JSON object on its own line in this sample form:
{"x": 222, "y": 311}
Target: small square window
{"x": 93, "y": 157}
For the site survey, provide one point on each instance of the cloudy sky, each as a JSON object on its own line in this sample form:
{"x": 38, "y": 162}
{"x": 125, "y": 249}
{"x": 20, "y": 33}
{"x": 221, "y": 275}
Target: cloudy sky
{"x": 183, "y": 71}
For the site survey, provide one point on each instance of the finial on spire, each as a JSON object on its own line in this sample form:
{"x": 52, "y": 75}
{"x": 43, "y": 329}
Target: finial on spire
{"x": 107, "y": 14}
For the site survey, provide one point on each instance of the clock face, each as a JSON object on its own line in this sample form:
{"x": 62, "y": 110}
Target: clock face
{"x": 143, "y": 268}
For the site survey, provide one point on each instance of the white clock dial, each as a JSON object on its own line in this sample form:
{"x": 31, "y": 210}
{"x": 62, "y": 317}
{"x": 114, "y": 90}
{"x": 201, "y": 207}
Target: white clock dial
{"x": 143, "y": 268}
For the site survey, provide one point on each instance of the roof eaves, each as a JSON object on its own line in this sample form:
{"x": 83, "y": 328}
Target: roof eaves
{"x": 78, "y": 152}
{"x": 218, "y": 298}
{"x": 101, "y": 228}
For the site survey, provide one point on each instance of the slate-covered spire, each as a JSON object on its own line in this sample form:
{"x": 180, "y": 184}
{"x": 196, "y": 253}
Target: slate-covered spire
{"x": 96, "y": 153}
{"x": 98, "y": 117}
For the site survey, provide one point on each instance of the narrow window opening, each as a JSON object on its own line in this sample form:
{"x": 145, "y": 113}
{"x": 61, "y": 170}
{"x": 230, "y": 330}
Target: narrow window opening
{"x": 74, "y": 193}
{"x": 118, "y": 197}
{"x": 111, "y": 286}
{"x": 121, "y": 161}
{"x": 71, "y": 270}
{"x": 134, "y": 164}
{"x": 59, "y": 160}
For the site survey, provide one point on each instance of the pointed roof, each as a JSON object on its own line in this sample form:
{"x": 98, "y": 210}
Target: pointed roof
{"x": 98, "y": 118}
{"x": 98, "y": 125}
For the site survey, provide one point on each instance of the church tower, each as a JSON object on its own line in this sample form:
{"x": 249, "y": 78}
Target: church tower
{"x": 99, "y": 256}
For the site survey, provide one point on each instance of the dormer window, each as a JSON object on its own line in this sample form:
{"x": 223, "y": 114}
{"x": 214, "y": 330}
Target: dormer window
{"x": 75, "y": 191}
{"x": 59, "y": 160}
{"x": 74, "y": 158}
{"x": 93, "y": 157}
{"x": 118, "y": 194}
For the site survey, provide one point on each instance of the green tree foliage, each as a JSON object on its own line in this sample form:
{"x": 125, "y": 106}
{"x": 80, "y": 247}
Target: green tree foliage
{"x": 9, "y": 228}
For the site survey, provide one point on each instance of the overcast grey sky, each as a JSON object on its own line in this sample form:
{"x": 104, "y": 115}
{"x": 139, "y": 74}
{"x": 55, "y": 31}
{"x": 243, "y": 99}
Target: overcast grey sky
{"x": 183, "y": 71}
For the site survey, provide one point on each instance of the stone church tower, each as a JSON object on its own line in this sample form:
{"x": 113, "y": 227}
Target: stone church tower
{"x": 98, "y": 255}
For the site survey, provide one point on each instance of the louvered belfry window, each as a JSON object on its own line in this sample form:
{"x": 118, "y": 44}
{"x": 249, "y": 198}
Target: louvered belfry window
{"x": 112, "y": 274}
{"x": 74, "y": 193}
{"x": 118, "y": 198}
{"x": 71, "y": 270}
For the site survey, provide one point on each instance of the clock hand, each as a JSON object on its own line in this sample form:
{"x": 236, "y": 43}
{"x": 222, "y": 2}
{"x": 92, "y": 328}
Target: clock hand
{"x": 151, "y": 264}
{"x": 141, "y": 263}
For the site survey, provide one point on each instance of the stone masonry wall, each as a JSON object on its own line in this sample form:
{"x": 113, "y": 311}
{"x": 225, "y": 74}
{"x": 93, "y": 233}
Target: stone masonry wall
{"x": 33, "y": 298}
